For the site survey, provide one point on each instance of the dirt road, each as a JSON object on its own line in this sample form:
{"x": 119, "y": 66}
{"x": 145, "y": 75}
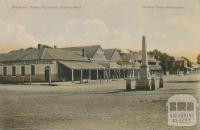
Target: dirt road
{"x": 94, "y": 106}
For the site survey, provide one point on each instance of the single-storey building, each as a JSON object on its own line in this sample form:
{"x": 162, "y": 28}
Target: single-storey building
{"x": 83, "y": 63}
{"x": 46, "y": 64}
{"x": 134, "y": 61}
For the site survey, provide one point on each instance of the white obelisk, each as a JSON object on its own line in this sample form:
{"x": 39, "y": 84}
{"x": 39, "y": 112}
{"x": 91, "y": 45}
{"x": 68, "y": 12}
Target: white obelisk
{"x": 143, "y": 83}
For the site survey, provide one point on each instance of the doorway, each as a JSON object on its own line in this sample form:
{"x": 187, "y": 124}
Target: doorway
{"x": 46, "y": 74}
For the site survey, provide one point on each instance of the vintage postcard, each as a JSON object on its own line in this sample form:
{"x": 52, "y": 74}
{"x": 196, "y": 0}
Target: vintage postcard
{"x": 99, "y": 64}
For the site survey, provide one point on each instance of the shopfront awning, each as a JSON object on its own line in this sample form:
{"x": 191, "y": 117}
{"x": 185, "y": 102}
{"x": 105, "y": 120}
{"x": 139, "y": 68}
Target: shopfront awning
{"x": 77, "y": 65}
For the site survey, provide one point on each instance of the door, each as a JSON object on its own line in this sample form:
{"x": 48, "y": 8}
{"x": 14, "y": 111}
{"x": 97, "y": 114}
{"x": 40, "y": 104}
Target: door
{"x": 46, "y": 74}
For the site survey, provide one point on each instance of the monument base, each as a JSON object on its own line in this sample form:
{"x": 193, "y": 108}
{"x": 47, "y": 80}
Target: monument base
{"x": 143, "y": 84}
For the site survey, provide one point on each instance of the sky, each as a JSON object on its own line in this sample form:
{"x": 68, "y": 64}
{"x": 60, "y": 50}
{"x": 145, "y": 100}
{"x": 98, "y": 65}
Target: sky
{"x": 172, "y": 26}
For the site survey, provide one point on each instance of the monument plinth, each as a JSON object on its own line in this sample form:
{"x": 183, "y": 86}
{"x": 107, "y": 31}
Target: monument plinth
{"x": 144, "y": 81}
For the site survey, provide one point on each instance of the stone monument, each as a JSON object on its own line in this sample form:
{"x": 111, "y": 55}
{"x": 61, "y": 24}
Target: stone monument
{"x": 144, "y": 81}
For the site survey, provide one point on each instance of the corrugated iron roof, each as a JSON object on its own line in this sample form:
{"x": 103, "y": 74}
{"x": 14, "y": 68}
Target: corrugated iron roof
{"x": 60, "y": 54}
{"x": 38, "y": 54}
{"x": 89, "y": 50}
{"x": 109, "y": 53}
{"x": 81, "y": 65}
{"x": 19, "y": 55}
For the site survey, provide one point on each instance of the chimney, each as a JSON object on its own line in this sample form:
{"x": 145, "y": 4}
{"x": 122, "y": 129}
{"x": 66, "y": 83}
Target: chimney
{"x": 39, "y": 46}
{"x": 83, "y": 52}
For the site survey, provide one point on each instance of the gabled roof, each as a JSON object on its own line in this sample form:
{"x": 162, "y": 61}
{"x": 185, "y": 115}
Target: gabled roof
{"x": 20, "y": 55}
{"x": 63, "y": 55}
{"x": 89, "y": 50}
{"x": 128, "y": 57}
{"x": 44, "y": 53}
{"x": 109, "y": 53}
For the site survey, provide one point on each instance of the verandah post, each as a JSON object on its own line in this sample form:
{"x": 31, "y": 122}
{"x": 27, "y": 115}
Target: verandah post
{"x": 89, "y": 75}
{"x": 72, "y": 75}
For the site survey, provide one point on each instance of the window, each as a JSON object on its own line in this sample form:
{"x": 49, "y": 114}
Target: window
{"x": 23, "y": 70}
{"x": 32, "y": 69}
{"x": 4, "y": 71}
{"x": 13, "y": 70}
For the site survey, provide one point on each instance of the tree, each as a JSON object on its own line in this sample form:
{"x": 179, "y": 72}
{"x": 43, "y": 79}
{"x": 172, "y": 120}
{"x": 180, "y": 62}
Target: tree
{"x": 198, "y": 59}
{"x": 165, "y": 59}
{"x": 155, "y": 53}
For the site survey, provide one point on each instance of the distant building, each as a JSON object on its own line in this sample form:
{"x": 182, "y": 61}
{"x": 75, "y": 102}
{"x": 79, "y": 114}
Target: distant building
{"x": 154, "y": 65}
{"x": 180, "y": 65}
{"x": 134, "y": 61}
{"x": 180, "y": 62}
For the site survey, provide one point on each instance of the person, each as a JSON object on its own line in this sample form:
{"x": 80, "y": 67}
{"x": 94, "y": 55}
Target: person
{"x": 152, "y": 83}
{"x": 161, "y": 82}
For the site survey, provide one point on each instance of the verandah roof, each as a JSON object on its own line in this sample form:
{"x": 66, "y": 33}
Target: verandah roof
{"x": 81, "y": 65}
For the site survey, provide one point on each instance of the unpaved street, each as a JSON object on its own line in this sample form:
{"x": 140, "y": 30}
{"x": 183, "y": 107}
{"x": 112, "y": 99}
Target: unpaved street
{"x": 93, "y": 106}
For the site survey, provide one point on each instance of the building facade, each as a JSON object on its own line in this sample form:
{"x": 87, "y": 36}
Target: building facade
{"x": 52, "y": 64}
{"x": 46, "y": 64}
{"x": 115, "y": 71}
{"x": 179, "y": 65}
{"x": 133, "y": 62}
